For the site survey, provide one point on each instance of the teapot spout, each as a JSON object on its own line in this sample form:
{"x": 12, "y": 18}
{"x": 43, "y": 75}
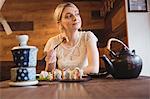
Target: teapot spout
{"x": 108, "y": 64}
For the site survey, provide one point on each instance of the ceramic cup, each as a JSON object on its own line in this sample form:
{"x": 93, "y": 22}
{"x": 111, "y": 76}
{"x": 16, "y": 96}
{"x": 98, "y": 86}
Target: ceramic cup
{"x": 23, "y": 39}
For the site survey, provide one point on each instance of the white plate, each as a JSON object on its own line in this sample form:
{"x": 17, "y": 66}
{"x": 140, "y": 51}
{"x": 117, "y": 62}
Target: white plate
{"x": 24, "y": 83}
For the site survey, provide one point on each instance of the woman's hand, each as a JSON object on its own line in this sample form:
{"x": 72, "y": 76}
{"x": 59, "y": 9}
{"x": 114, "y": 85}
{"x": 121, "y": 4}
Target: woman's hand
{"x": 50, "y": 60}
{"x": 51, "y": 56}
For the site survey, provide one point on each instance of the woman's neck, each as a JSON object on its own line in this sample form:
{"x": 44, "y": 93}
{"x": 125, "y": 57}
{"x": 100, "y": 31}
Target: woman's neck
{"x": 73, "y": 37}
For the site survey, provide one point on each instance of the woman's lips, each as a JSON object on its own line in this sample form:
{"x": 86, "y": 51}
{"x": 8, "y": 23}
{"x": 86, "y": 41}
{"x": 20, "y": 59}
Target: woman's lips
{"x": 75, "y": 23}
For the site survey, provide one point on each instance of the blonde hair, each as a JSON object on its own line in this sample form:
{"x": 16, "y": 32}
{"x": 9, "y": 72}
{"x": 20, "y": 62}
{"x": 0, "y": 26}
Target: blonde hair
{"x": 60, "y": 8}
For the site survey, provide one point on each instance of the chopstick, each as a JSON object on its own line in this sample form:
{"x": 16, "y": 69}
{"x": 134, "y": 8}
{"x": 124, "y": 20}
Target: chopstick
{"x": 59, "y": 43}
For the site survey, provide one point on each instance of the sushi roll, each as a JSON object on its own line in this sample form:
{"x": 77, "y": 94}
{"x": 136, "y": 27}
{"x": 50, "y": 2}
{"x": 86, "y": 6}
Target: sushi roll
{"x": 57, "y": 74}
{"x": 66, "y": 74}
{"x": 50, "y": 76}
{"x": 77, "y": 73}
{"x": 43, "y": 75}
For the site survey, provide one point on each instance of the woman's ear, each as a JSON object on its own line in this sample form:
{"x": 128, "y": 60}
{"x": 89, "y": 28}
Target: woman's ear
{"x": 58, "y": 22}
{"x": 60, "y": 26}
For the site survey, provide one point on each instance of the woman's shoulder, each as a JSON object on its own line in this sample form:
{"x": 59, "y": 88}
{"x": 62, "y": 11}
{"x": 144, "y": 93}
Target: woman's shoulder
{"x": 52, "y": 41}
{"x": 86, "y": 32}
{"x": 88, "y": 35}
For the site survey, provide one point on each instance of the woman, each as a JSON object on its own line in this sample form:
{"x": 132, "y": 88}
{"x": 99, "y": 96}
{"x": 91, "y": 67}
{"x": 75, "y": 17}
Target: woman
{"x": 79, "y": 48}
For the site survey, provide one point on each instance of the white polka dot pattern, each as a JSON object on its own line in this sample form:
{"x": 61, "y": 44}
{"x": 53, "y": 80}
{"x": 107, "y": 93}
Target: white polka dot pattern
{"x": 23, "y": 73}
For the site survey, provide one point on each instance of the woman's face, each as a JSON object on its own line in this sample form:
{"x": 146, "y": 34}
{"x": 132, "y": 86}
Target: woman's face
{"x": 71, "y": 20}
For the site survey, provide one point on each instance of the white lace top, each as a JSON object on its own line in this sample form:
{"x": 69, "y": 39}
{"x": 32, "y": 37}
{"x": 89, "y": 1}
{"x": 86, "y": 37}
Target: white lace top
{"x": 75, "y": 56}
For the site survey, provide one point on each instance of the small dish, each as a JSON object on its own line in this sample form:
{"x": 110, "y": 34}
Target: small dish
{"x": 23, "y": 83}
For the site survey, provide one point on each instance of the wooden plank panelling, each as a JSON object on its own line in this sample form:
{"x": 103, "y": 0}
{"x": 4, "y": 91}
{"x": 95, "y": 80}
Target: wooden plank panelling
{"x": 20, "y": 26}
{"x": 40, "y": 13}
{"x": 118, "y": 18}
{"x": 118, "y": 29}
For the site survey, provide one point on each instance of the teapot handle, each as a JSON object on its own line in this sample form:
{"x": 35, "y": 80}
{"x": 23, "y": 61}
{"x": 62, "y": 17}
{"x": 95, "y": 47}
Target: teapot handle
{"x": 114, "y": 39}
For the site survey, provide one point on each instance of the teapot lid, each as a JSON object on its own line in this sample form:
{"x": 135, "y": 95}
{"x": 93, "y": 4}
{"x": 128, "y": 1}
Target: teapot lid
{"x": 23, "y": 39}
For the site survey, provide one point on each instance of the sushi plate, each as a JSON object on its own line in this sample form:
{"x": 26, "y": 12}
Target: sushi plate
{"x": 87, "y": 78}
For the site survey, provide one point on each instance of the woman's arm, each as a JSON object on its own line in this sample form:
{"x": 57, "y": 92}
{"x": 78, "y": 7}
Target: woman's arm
{"x": 50, "y": 60}
{"x": 93, "y": 57}
{"x": 50, "y": 66}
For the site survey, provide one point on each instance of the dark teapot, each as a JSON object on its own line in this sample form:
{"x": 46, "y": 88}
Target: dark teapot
{"x": 124, "y": 64}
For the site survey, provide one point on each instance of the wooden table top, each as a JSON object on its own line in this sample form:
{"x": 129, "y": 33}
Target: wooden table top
{"x": 99, "y": 88}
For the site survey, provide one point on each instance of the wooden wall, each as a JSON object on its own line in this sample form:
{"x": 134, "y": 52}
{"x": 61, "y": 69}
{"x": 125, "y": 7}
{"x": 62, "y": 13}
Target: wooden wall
{"x": 115, "y": 24}
{"x": 115, "y": 27}
{"x": 40, "y": 13}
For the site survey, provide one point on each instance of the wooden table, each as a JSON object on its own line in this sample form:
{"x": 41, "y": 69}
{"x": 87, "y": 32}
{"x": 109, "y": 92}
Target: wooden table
{"x": 106, "y": 88}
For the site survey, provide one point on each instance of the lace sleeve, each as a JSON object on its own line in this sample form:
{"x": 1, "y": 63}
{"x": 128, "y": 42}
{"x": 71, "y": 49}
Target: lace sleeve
{"x": 48, "y": 45}
{"x": 90, "y": 37}
{"x": 51, "y": 43}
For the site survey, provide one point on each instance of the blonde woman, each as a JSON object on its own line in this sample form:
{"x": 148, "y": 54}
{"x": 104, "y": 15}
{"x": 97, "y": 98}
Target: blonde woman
{"x": 80, "y": 47}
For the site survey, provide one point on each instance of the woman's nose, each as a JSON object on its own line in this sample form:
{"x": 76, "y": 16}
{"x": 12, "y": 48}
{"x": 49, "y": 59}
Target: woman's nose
{"x": 74, "y": 18}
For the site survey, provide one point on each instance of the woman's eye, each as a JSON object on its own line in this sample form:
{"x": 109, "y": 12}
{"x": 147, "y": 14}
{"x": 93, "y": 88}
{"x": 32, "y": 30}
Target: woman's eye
{"x": 68, "y": 16}
{"x": 77, "y": 14}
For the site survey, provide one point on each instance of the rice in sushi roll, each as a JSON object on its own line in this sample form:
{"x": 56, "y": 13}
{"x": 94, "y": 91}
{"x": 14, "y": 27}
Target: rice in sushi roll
{"x": 66, "y": 74}
{"x": 77, "y": 73}
{"x": 43, "y": 75}
{"x": 57, "y": 74}
{"x": 50, "y": 76}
